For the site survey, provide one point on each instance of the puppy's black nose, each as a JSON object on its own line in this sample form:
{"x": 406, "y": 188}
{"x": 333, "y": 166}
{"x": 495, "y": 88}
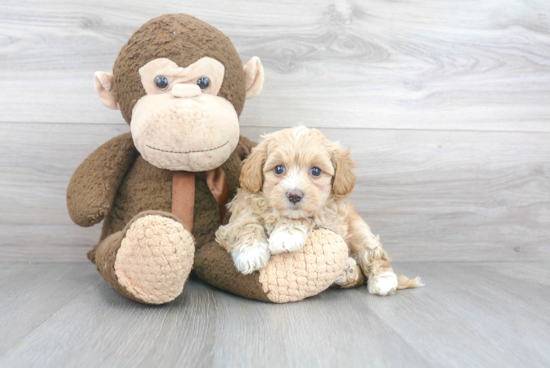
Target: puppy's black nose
{"x": 295, "y": 195}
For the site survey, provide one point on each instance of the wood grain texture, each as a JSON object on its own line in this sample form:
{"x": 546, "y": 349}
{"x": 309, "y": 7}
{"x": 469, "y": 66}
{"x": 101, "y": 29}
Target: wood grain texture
{"x": 469, "y": 314}
{"x": 24, "y": 287}
{"x": 431, "y": 195}
{"x": 441, "y": 103}
{"x": 420, "y": 64}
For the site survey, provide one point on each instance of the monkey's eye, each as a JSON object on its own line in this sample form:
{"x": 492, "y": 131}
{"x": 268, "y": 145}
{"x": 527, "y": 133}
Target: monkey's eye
{"x": 279, "y": 170}
{"x": 203, "y": 82}
{"x": 161, "y": 82}
{"x": 315, "y": 171}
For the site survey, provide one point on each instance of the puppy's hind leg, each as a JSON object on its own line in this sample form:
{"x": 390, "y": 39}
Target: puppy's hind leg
{"x": 351, "y": 276}
{"x": 373, "y": 259}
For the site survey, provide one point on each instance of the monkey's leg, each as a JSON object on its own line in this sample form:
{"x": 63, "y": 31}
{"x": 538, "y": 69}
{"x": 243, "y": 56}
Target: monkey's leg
{"x": 288, "y": 277}
{"x": 150, "y": 260}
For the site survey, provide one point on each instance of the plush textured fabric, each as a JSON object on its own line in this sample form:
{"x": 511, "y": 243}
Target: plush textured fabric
{"x": 142, "y": 190}
{"x": 291, "y": 277}
{"x": 155, "y": 258}
{"x": 95, "y": 182}
{"x": 214, "y": 265}
{"x": 133, "y": 197}
{"x": 143, "y": 187}
{"x": 196, "y": 39}
{"x": 104, "y": 256}
{"x": 146, "y": 190}
{"x": 288, "y": 277}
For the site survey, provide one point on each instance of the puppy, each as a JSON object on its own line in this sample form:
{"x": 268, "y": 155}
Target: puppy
{"x": 295, "y": 181}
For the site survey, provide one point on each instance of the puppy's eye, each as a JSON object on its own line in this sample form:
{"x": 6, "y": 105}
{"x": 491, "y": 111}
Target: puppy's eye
{"x": 315, "y": 171}
{"x": 279, "y": 170}
{"x": 203, "y": 82}
{"x": 161, "y": 82}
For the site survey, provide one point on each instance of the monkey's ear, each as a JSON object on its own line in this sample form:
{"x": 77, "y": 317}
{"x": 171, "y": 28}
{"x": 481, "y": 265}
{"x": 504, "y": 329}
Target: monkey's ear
{"x": 252, "y": 171}
{"x": 254, "y": 77}
{"x": 344, "y": 177}
{"x": 103, "y": 84}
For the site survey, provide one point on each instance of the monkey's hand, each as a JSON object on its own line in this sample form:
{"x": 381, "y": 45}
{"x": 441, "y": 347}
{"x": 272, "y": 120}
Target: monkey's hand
{"x": 95, "y": 182}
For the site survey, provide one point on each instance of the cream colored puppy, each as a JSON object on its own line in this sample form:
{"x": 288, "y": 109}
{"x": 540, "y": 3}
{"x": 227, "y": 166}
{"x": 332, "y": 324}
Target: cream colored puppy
{"x": 295, "y": 181}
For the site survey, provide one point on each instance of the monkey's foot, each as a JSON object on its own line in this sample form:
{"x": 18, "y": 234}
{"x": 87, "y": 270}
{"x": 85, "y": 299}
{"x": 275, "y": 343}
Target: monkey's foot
{"x": 150, "y": 260}
{"x": 288, "y": 277}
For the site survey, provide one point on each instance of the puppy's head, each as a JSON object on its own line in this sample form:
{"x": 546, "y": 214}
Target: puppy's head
{"x": 299, "y": 171}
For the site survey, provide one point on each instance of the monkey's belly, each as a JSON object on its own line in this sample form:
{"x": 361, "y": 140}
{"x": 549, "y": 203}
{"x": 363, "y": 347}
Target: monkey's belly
{"x": 146, "y": 187}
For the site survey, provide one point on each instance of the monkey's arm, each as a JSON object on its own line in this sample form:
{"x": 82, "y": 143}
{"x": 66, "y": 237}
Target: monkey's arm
{"x": 95, "y": 182}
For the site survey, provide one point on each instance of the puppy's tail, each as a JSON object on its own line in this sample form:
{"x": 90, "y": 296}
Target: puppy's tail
{"x": 403, "y": 282}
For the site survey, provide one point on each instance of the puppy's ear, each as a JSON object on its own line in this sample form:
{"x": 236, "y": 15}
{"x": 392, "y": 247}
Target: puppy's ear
{"x": 344, "y": 177}
{"x": 251, "y": 173}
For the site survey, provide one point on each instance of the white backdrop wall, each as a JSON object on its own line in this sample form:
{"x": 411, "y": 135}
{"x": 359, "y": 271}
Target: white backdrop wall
{"x": 444, "y": 104}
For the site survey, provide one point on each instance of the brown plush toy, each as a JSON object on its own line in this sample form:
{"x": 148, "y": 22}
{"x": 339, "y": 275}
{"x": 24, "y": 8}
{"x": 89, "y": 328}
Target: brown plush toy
{"x": 161, "y": 189}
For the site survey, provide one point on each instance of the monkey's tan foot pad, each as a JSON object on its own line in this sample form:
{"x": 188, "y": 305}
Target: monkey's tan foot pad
{"x": 154, "y": 259}
{"x": 290, "y": 277}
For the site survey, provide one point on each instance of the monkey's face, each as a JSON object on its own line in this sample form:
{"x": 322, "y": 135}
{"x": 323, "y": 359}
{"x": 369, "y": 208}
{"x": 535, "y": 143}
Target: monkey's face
{"x": 181, "y": 123}
{"x": 181, "y": 86}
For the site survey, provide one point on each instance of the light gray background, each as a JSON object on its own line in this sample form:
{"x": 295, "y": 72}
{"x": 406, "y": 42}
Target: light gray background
{"x": 445, "y": 106}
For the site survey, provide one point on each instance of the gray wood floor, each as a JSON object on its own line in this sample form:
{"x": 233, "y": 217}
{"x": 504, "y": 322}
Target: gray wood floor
{"x": 469, "y": 314}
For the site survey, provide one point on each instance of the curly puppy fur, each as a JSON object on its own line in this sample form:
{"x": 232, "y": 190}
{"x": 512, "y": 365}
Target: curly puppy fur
{"x": 294, "y": 182}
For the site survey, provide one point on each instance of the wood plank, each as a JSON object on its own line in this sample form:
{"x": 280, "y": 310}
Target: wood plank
{"x": 457, "y": 65}
{"x": 206, "y": 327}
{"x": 47, "y": 242}
{"x": 463, "y": 317}
{"x": 33, "y": 292}
{"x": 469, "y": 318}
{"x": 431, "y": 195}
{"x": 37, "y": 162}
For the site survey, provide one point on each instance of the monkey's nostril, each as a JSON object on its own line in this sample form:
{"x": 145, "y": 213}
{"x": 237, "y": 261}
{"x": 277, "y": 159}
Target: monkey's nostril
{"x": 295, "y": 195}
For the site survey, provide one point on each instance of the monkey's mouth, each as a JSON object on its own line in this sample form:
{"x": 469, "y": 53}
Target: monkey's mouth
{"x": 206, "y": 150}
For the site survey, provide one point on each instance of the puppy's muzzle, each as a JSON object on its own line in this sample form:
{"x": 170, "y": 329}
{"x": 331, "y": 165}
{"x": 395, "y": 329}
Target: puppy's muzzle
{"x": 295, "y": 195}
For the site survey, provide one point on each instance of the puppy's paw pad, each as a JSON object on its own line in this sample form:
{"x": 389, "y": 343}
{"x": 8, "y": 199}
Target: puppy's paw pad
{"x": 283, "y": 241}
{"x": 383, "y": 284}
{"x": 250, "y": 259}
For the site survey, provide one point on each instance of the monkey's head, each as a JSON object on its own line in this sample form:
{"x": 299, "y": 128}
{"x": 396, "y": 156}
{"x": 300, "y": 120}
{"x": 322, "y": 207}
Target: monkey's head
{"x": 180, "y": 84}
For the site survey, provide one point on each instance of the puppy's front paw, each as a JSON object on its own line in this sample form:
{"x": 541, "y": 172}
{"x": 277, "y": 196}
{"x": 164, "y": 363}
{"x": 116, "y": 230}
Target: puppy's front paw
{"x": 283, "y": 241}
{"x": 383, "y": 284}
{"x": 250, "y": 259}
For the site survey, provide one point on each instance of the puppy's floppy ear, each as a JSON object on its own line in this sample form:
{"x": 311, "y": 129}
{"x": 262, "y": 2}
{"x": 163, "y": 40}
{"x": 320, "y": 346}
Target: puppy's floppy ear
{"x": 344, "y": 177}
{"x": 251, "y": 173}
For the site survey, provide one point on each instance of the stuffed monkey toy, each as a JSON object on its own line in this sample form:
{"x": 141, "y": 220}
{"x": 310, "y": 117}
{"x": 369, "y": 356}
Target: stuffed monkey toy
{"x": 161, "y": 189}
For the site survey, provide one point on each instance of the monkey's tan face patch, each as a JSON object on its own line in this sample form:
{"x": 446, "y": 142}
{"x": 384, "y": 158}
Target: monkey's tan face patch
{"x": 181, "y": 124}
